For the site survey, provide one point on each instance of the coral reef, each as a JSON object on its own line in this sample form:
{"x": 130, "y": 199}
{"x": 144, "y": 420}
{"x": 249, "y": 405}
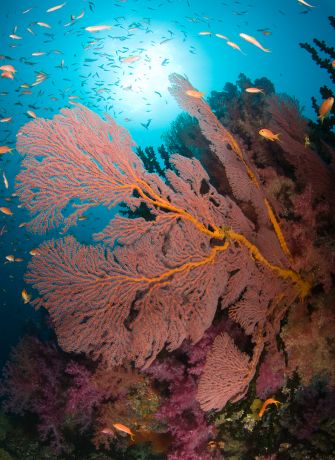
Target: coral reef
{"x": 205, "y": 293}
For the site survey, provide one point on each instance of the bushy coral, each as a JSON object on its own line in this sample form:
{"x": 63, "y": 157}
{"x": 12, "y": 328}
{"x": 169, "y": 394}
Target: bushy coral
{"x": 309, "y": 340}
{"x": 35, "y": 382}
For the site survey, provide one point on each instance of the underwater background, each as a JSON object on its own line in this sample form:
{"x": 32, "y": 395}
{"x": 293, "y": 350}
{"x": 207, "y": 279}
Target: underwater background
{"x": 168, "y": 295}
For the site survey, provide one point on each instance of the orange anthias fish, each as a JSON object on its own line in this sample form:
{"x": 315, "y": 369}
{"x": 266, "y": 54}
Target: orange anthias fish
{"x": 4, "y": 149}
{"x": 124, "y": 429}
{"x": 7, "y": 74}
{"x": 266, "y": 404}
{"x": 194, "y": 93}
{"x": 325, "y": 108}
{"x": 6, "y": 211}
{"x": 8, "y": 68}
{"x": 25, "y": 296}
{"x": 254, "y": 90}
{"x": 255, "y": 42}
{"x": 268, "y": 134}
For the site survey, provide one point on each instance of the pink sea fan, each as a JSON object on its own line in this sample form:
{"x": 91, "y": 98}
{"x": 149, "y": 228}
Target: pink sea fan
{"x": 226, "y": 375}
{"x": 157, "y": 282}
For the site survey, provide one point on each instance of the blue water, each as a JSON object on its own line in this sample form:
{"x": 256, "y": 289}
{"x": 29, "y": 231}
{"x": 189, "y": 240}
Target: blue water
{"x": 165, "y": 37}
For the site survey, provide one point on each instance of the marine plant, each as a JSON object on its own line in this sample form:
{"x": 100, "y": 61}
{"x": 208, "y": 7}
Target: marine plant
{"x": 323, "y": 55}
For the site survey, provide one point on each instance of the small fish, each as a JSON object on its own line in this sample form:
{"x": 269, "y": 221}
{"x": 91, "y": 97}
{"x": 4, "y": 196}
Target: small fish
{"x": 266, "y": 404}
{"x": 26, "y": 11}
{"x": 124, "y": 429}
{"x": 97, "y": 28}
{"x": 194, "y": 93}
{"x": 325, "y": 108}
{"x": 235, "y": 46}
{"x": 146, "y": 125}
{"x": 19, "y": 259}
{"x": 55, "y": 8}
{"x": 6, "y": 120}
{"x": 107, "y": 431}
{"x": 5, "y": 179}
{"x": 206, "y": 32}
{"x": 254, "y": 90}
{"x": 38, "y": 53}
{"x": 305, "y": 3}
{"x": 10, "y": 258}
{"x": 31, "y": 114}
{"x": 7, "y": 75}
{"x": 81, "y": 15}
{"x": 6, "y": 211}
{"x": 253, "y": 41}
{"x": 25, "y": 296}
{"x": 8, "y": 68}
{"x": 222, "y": 36}
{"x": 268, "y": 134}
{"x": 82, "y": 217}
{"x": 34, "y": 252}
{"x": 4, "y": 149}
{"x": 130, "y": 59}
{"x": 307, "y": 141}
{"x": 43, "y": 24}
{"x": 15, "y": 37}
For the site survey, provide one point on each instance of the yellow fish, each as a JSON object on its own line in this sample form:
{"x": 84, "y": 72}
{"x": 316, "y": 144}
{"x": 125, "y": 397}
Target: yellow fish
{"x": 124, "y": 429}
{"x": 194, "y": 93}
{"x": 325, "y": 108}
{"x": 25, "y": 296}
{"x": 268, "y": 134}
{"x": 8, "y": 68}
{"x": 307, "y": 141}
{"x": 254, "y": 90}
{"x": 266, "y": 404}
{"x": 4, "y": 149}
{"x": 6, "y": 211}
